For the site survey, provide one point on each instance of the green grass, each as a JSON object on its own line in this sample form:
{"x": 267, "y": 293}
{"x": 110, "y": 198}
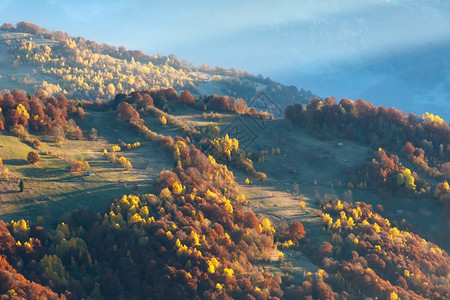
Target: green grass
{"x": 318, "y": 160}
{"x": 13, "y": 148}
{"x": 50, "y": 191}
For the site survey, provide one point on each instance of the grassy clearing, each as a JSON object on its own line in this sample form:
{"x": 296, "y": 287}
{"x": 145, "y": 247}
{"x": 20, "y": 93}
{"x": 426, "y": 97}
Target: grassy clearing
{"x": 50, "y": 190}
{"x": 317, "y": 168}
{"x": 305, "y": 169}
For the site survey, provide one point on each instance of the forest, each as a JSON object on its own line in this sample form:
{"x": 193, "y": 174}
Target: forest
{"x": 84, "y": 69}
{"x": 192, "y": 233}
{"x": 196, "y": 233}
{"x": 422, "y": 141}
{"x": 190, "y": 212}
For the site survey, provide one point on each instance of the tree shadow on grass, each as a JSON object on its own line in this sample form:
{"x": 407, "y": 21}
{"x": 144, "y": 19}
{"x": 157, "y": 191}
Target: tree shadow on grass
{"x": 15, "y": 162}
{"x": 96, "y": 199}
{"x": 37, "y": 172}
{"x": 10, "y": 192}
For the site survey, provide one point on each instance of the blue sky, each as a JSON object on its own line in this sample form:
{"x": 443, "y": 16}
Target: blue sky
{"x": 292, "y": 41}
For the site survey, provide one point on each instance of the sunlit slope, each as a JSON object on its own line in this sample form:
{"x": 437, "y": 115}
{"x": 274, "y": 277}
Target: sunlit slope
{"x": 32, "y": 59}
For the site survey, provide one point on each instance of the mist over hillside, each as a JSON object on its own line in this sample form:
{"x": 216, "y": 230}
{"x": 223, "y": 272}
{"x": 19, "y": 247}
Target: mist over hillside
{"x": 378, "y": 50}
{"x": 414, "y": 80}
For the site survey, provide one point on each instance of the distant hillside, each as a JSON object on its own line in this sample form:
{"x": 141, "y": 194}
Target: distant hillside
{"x": 413, "y": 79}
{"x": 32, "y": 58}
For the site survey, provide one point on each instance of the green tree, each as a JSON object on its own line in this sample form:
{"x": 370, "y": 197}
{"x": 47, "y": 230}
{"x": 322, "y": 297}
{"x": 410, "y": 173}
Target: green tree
{"x": 21, "y": 185}
{"x": 53, "y": 267}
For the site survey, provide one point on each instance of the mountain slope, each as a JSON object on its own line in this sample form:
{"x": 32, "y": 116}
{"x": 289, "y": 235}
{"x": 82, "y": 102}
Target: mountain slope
{"x": 159, "y": 194}
{"x": 58, "y": 63}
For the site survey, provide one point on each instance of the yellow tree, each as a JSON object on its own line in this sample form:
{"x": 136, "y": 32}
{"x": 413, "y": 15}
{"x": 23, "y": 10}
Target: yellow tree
{"x": 111, "y": 89}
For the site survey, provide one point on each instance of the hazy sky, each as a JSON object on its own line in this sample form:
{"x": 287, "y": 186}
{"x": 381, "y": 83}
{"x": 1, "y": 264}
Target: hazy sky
{"x": 278, "y": 39}
{"x": 261, "y": 36}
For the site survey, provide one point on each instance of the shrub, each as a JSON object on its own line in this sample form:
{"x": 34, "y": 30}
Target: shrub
{"x": 260, "y": 176}
{"x": 78, "y": 166}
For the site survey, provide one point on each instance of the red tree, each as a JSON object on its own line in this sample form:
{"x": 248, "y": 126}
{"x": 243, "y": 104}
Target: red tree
{"x": 325, "y": 248}
{"x": 296, "y": 231}
{"x": 186, "y": 98}
{"x": 33, "y": 157}
{"x": 409, "y": 148}
{"x": 127, "y": 112}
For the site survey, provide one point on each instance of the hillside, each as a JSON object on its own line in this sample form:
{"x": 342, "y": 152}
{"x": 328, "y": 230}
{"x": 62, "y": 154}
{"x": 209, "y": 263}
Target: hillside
{"x": 33, "y": 58}
{"x": 155, "y": 191}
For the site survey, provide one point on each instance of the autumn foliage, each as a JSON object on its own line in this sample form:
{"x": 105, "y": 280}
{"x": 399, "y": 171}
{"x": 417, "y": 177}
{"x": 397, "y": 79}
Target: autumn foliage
{"x": 40, "y": 113}
{"x": 226, "y": 103}
{"x": 78, "y": 166}
{"x": 385, "y": 173}
{"x": 422, "y": 141}
{"x": 127, "y": 112}
{"x": 189, "y": 238}
{"x": 296, "y": 231}
{"x": 186, "y": 98}
{"x": 33, "y": 157}
{"x": 442, "y": 193}
{"x": 383, "y": 127}
{"x": 369, "y": 255}
{"x": 192, "y": 235}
